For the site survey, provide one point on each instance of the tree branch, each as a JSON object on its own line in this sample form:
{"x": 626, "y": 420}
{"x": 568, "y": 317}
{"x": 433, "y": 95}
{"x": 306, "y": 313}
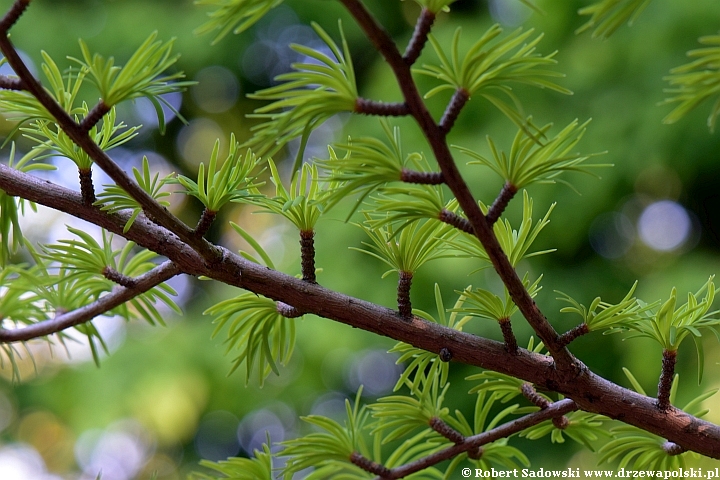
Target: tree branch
{"x": 498, "y": 207}
{"x": 419, "y": 37}
{"x": 470, "y": 443}
{"x": 117, "y": 297}
{"x": 454, "y": 180}
{"x": 10, "y": 83}
{"x": 591, "y": 392}
{"x": 77, "y": 134}
{"x": 12, "y": 16}
{"x": 373, "y": 107}
{"x": 424, "y": 178}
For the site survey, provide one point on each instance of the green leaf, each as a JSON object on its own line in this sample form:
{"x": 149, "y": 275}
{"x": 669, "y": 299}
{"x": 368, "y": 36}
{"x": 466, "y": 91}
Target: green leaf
{"x": 233, "y": 16}
{"x": 534, "y": 159}
{"x": 144, "y": 74}
{"x": 492, "y": 64}
{"x": 255, "y": 328}
{"x": 606, "y": 16}
{"x": 306, "y": 97}
{"x": 234, "y": 181}
{"x": 696, "y": 82}
{"x": 114, "y": 198}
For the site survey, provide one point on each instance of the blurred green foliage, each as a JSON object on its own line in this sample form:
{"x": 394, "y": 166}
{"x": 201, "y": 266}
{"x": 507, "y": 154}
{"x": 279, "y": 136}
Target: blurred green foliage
{"x": 170, "y": 378}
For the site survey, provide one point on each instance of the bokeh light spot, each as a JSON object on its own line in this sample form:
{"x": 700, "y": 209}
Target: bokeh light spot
{"x": 664, "y": 225}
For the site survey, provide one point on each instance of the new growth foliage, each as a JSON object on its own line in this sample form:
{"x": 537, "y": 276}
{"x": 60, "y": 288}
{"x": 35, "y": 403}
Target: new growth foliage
{"x": 414, "y": 207}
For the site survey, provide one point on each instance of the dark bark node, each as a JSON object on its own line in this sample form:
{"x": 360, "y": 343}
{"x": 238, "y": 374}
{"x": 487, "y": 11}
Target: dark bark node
{"x": 13, "y": 15}
{"x": 666, "y": 379}
{"x": 119, "y": 278}
{"x": 498, "y": 207}
{"x": 420, "y": 36}
{"x": 456, "y": 221}
{"x": 425, "y": 178}
{"x": 365, "y": 106}
{"x": 307, "y": 255}
{"x": 205, "y": 222}
{"x": 575, "y": 332}
{"x": 508, "y": 336}
{"x": 458, "y": 101}
{"x": 403, "y": 294}
{"x": 87, "y": 190}
{"x": 446, "y": 430}
{"x": 94, "y": 116}
{"x": 370, "y": 466}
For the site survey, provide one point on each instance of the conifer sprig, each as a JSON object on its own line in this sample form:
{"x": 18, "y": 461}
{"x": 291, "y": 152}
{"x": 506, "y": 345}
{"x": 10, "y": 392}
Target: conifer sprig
{"x": 305, "y": 98}
{"x": 695, "y": 82}
{"x": 233, "y": 16}
{"x": 492, "y": 65}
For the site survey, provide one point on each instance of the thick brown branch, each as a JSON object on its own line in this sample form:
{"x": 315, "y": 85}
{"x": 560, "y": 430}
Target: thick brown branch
{"x": 457, "y": 102}
{"x": 373, "y": 107}
{"x": 472, "y": 443}
{"x": 117, "y": 297}
{"x": 307, "y": 255}
{"x": 498, "y": 207}
{"x": 592, "y": 393}
{"x": 454, "y": 180}
{"x": 666, "y": 378}
{"x": 573, "y": 333}
{"x": 508, "y": 336}
{"x": 419, "y": 37}
{"x": 456, "y": 221}
{"x": 94, "y": 116}
{"x": 10, "y": 83}
{"x": 425, "y": 178}
{"x": 12, "y": 16}
{"x": 119, "y": 278}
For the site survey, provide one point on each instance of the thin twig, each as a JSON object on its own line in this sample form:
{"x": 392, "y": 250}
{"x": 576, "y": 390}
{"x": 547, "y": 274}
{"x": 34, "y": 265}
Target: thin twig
{"x": 669, "y": 357}
{"x": 117, "y": 297}
{"x": 508, "y": 335}
{"x": 94, "y": 116}
{"x": 10, "y": 83}
{"x": 307, "y": 255}
{"x": 205, "y": 222}
{"x": 424, "y": 178}
{"x": 369, "y": 466}
{"x": 12, "y": 16}
{"x": 403, "y": 293}
{"x": 573, "y": 333}
{"x": 457, "y": 102}
{"x": 446, "y": 430}
{"x": 373, "y": 107}
{"x": 507, "y": 193}
{"x": 472, "y": 443}
{"x": 87, "y": 190}
{"x": 419, "y": 37}
{"x": 119, "y": 278}
{"x": 456, "y": 221}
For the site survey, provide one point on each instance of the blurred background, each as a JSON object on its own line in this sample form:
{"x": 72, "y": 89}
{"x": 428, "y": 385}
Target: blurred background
{"x": 162, "y": 400}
